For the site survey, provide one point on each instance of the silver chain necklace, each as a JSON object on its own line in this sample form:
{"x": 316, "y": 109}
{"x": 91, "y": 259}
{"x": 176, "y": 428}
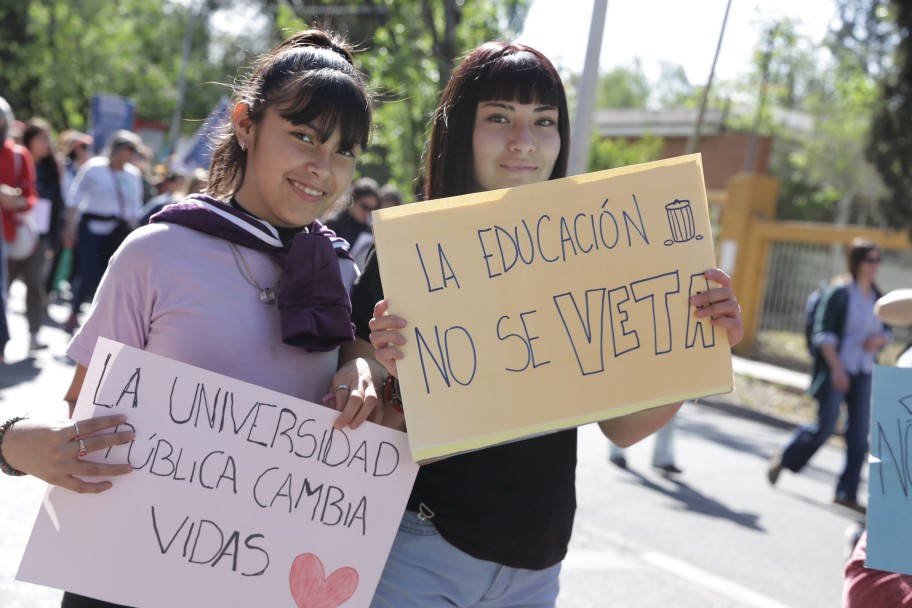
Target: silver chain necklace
{"x": 267, "y": 294}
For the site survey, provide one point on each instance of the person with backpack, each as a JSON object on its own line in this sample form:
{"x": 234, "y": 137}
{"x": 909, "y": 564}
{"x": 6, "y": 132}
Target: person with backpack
{"x": 846, "y": 338}
{"x": 17, "y": 195}
{"x": 810, "y": 313}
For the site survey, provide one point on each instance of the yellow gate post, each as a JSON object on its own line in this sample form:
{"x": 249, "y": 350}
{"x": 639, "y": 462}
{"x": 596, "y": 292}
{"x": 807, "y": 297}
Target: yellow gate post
{"x": 742, "y": 251}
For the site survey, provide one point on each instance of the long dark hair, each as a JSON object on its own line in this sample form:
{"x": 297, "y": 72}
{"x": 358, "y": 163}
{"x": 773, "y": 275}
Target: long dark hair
{"x": 49, "y": 168}
{"x": 856, "y": 256}
{"x": 310, "y": 79}
{"x": 497, "y": 71}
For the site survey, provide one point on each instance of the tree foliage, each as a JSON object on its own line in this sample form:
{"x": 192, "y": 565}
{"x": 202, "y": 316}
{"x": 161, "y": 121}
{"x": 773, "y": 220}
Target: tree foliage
{"x": 815, "y": 99}
{"x": 56, "y": 54}
{"x": 408, "y": 51}
{"x": 620, "y": 152}
{"x": 890, "y": 145}
{"x": 864, "y": 36}
{"x": 623, "y": 88}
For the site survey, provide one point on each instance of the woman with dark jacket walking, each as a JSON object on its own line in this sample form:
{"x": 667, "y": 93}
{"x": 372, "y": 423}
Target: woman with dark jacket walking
{"x": 846, "y": 338}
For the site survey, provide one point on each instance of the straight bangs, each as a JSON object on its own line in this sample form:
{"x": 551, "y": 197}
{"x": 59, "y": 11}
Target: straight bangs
{"x": 327, "y": 100}
{"x": 521, "y": 77}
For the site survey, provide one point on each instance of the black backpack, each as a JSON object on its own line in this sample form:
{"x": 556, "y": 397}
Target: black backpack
{"x": 810, "y": 313}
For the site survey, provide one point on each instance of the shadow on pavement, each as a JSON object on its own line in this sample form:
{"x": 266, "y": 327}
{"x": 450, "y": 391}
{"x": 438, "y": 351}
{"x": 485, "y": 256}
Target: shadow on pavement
{"x": 17, "y": 372}
{"x": 694, "y": 501}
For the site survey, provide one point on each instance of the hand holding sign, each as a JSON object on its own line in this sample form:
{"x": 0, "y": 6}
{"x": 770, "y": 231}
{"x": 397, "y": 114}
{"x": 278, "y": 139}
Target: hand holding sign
{"x": 720, "y": 305}
{"x": 386, "y": 336}
{"x": 513, "y": 297}
{"x": 354, "y": 393}
{"x": 49, "y": 450}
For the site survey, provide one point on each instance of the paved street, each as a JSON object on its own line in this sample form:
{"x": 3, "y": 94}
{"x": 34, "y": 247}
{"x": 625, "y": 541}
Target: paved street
{"x": 717, "y": 536}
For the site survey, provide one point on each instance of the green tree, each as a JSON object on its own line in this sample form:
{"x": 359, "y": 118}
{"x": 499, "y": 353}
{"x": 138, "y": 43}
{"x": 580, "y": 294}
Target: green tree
{"x": 408, "y": 57}
{"x": 610, "y": 153}
{"x": 57, "y": 53}
{"x": 673, "y": 89}
{"x": 864, "y": 35}
{"x": 64, "y": 53}
{"x": 815, "y": 100}
{"x": 623, "y": 88}
{"x": 831, "y": 155}
{"x": 890, "y": 145}
{"x": 16, "y": 38}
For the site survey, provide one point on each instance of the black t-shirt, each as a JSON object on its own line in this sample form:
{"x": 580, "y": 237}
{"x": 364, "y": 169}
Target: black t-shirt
{"x": 512, "y": 504}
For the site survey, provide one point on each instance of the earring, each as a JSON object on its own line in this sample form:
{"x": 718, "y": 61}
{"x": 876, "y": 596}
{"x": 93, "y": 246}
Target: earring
{"x": 243, "y": 146}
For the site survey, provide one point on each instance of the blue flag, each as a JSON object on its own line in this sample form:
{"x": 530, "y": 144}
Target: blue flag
{"x": 199, "y": 152}
{"x": 109, "y": 113}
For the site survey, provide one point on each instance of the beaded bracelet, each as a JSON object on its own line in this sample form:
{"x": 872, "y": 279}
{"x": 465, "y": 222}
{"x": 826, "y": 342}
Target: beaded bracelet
{"x": 4, "y": 466}
{"x": 391, "y": 394}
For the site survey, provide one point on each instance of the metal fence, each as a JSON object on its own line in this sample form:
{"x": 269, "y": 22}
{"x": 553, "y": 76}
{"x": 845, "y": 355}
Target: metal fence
{"x": 797, "y": 269}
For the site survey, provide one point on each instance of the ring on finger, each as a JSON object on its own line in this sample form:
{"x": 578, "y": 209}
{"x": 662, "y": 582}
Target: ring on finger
{"x": 82, "y": 449}
{"x": 343, "y": 387}
{"x": 76, "y": 428}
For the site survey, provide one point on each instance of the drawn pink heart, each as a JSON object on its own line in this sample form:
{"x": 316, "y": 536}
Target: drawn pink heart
{"x": 310, "y": 589}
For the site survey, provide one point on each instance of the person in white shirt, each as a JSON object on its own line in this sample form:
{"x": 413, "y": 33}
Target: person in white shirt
{"x": 103, "y": 205}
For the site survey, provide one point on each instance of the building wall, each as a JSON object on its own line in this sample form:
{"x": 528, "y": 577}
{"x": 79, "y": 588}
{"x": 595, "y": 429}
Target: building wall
{"x": 724, "y": 155}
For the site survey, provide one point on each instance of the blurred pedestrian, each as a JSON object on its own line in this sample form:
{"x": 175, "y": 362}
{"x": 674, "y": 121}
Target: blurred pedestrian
{"x": 77, "y": 149}
{"x": 663, "y": 457}
{"x": 354, "y": 219}
{"x": 847, "y": 336}
{"x": 198, "y": 181}
{"x": 867, "y": 587}
{"x": 103, "y": 206}
{"x": 390, "y": 196}
{"x": 170, "y": 190}
{"x": 18, "y": 195}
{"x": 48, "y": 212}
{"x": 870, "y": 588}
{"x": 142, "y": 160}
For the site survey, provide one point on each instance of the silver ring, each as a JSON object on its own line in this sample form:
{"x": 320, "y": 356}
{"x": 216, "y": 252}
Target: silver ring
{"x": 82, "y": 449}
{"x": 76, "y": 427}
{"x": 343, "y": 387}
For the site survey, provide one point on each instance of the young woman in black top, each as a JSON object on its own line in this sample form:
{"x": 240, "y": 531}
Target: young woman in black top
{"x": 490, "y": 528}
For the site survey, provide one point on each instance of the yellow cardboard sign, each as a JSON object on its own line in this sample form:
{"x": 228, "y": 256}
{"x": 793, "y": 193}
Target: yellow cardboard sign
{"x": 549, "y": 306}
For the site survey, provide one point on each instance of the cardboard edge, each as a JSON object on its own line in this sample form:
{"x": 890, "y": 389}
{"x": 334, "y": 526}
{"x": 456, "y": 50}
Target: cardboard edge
{"x": 436, "y": 452}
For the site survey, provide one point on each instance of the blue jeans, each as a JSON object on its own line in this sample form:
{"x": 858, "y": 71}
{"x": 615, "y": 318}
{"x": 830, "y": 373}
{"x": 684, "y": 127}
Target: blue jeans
{"x": 425, "y": 571}
{"x": 808, "y": 439}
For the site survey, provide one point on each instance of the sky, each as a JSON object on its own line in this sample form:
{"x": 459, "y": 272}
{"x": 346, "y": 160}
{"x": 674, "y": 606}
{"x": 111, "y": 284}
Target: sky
{"x": 679, "y": 31}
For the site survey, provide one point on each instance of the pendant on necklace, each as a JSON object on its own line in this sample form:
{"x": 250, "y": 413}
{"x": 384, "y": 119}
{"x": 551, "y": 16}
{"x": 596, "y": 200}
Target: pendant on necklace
{"x": 268, "y": 296}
